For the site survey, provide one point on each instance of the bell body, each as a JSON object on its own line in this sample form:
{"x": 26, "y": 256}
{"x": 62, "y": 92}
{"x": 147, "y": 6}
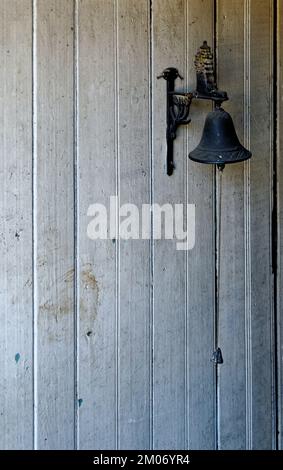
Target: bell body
{"x": 219, "y": 142}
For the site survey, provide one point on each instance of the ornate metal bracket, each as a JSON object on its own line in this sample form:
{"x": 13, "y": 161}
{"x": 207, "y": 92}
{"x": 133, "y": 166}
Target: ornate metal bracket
{"x": 178, "y": 104}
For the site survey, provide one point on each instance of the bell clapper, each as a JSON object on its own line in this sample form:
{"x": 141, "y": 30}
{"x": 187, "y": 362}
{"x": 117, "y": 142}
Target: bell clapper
{"x": 221, "y": 166}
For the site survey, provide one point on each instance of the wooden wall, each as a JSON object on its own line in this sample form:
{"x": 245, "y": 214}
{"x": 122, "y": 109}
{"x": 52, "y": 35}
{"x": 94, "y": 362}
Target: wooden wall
{"x": 108, "y": 344}
{"x": 279, "y": 218}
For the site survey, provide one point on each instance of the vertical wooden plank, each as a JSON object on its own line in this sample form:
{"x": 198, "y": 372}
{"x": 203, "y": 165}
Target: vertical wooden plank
{"x": 260, "y": 182}
{"x": 232, "y": 432}
{"x": 134, "y": 188}
{"x": 55, "y": 225}
{"x": 169, "y": 392}
{"x": 245, "y": 278}
{"x": 280, "y": 219}
{"x": 97, "y": 258}
{"x": 201, "y": 260}
{"x": 182, "y": 416}
{"x": 16, "y": 395}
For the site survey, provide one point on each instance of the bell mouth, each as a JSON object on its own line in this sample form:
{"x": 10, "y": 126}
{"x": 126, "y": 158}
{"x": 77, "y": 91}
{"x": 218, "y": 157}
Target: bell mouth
{"x": 236, "y": 155}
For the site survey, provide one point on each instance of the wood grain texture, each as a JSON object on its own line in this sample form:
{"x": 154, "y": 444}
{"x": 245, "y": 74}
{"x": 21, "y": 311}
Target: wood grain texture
{"x": 260, "y": 181}
{"x": 16, "y": 391}
{"x": 110, "y": 347}
{"x": 183, "y": 282}
{"x": 134, "y": 341}
{"x": 246, "y": 295}
{"x": 169, "y": 314}
{"x": 201, "y": 392}
{"x": 232, "y": 400}
{"x": 96, "y": 180}
{"x": 55, "y": 225}
{"x": 280, "y": 220}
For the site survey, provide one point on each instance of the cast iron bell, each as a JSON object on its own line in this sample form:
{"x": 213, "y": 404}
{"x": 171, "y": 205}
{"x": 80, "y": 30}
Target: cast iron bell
{"x": 219, "y": 143}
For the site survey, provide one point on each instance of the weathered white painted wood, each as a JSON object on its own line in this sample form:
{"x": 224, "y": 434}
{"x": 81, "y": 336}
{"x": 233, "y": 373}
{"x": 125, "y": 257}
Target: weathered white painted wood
{"x": 16, "y": 395}
{"x": 201, "y": 260}
{"x": 280, "y": 221}
{"x": 232, "y": 401}
{"x": 245, "y": 287}
{"x": 124, "y": 334}
{"x": 55, "y": 225}
{"x": 134, "y": 343}
{"x": 260, "y": 179}
{"x": 97, "y": 159}
{"x": 182, "y": 416}
{"x": 169, "y": 315}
